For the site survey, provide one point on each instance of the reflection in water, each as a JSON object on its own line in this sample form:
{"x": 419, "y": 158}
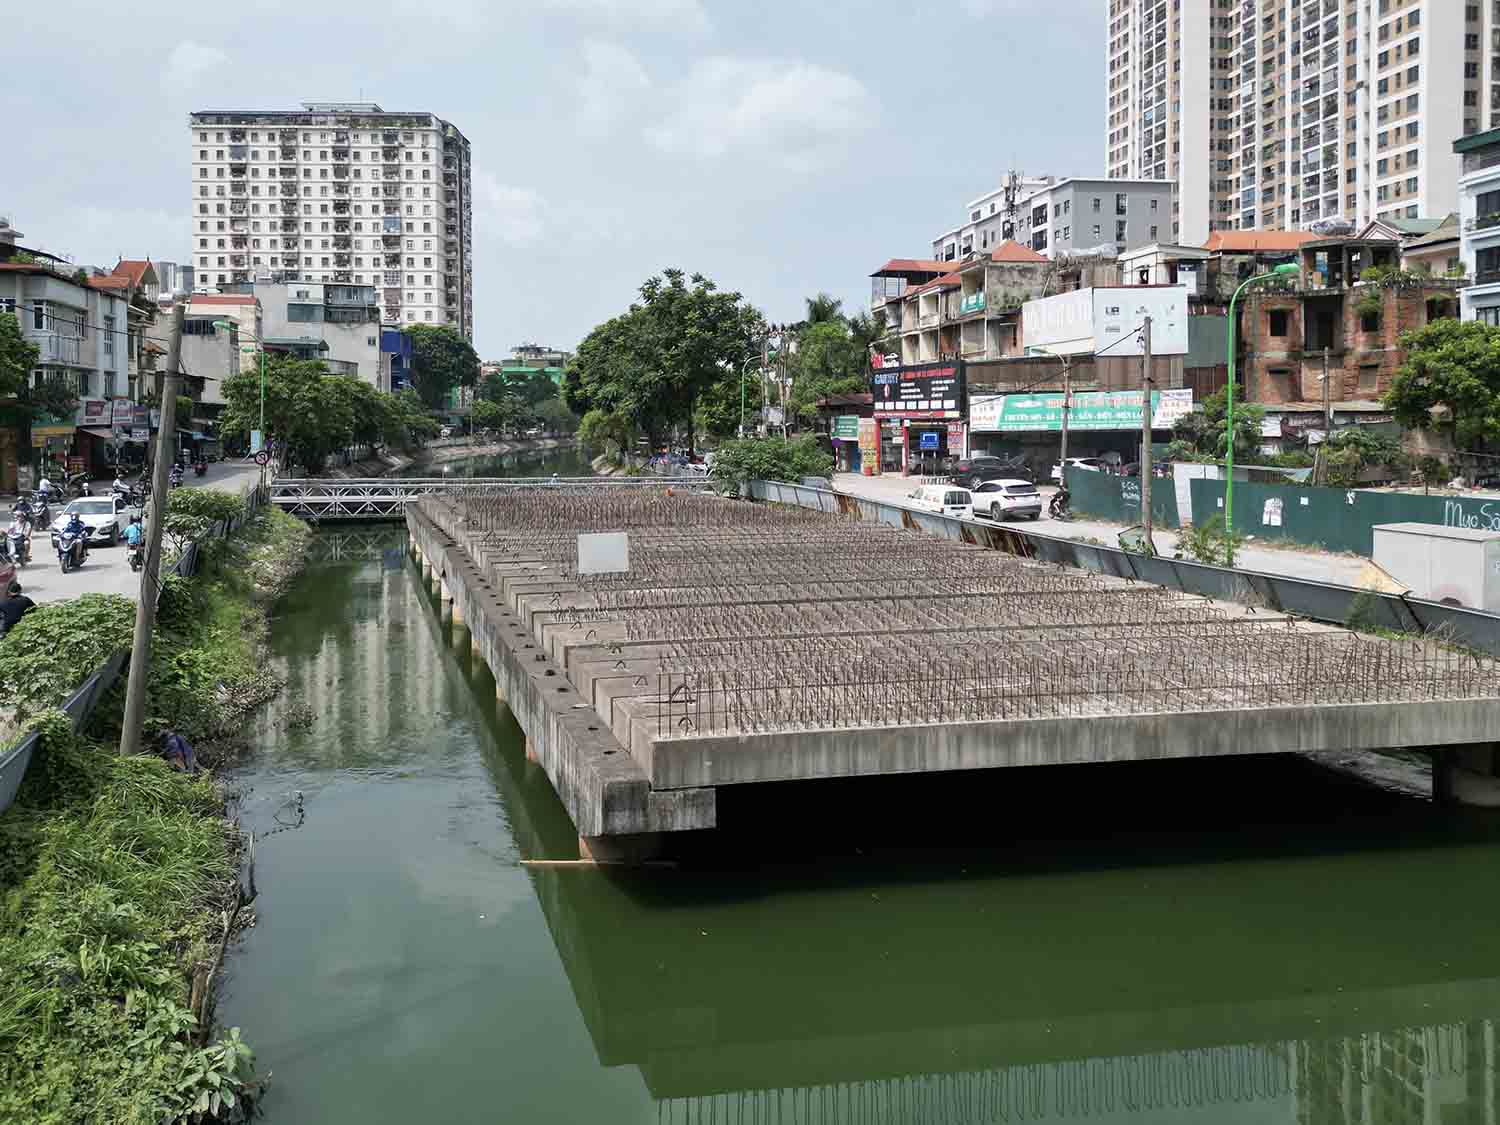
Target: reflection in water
{"x": 565, "y": 461}
{"x": 1297, "y": 950}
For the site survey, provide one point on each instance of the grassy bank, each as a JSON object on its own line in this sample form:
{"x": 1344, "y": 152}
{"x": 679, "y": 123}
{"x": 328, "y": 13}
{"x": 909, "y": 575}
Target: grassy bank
{"x": 118, "y": 876}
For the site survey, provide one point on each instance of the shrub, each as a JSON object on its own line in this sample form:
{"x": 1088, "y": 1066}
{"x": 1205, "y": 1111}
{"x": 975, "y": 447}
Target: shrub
{"x": 1207, "y": 543}
{"x": 769, "y": 459}
{"x": 55, "y": 647}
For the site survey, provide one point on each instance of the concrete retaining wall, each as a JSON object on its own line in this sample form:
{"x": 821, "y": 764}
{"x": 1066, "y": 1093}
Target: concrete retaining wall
{"x": 603, "y": 789}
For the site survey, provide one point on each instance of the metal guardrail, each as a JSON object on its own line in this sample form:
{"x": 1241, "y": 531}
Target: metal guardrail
{"x": 1321, "y": 601}
{"x": 78, "y": 708}
{"x": 385, "y": 498}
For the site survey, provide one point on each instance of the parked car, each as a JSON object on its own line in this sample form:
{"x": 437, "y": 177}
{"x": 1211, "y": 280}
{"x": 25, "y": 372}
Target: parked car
{"x": 944, "y": 498}
{"x": 1000, "y": 499}
{"x": 1093, "y": 464}
{"x": 982, "y": 467}
{"x": 104, "y": 516}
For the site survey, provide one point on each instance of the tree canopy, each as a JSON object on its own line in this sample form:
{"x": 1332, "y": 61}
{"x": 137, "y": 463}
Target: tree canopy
{"x": 654, "y": 363}
{"x": 54, "y": 397}
{"x": 314, "y": 413}
{"x": 1204, "y": 434}
{"x": 441, "y": 359}
{"x": 1454, "y": 364}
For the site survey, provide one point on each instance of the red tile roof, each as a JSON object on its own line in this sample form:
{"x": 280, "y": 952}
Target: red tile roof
{"x": 947, "y": 281}
{"x": 1012, "y": 251}
{"x": 132, "y": 268}
{"x": 111, "y": 282}
{"x": 1247, "y": 240}
{"x": 912, "y": 265}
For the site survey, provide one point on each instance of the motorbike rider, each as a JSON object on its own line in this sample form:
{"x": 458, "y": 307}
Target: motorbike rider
{"x": 76, "y": 528}
{"x": 13, "y": 607}
{"x": 135, "y": 534}
{"x": 44, "y": 486}
{"x": 175, "y": 477}
{"x": 18, "y": 536}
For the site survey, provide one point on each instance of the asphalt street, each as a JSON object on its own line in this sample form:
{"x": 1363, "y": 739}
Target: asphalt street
{"x": 107, "y": 571}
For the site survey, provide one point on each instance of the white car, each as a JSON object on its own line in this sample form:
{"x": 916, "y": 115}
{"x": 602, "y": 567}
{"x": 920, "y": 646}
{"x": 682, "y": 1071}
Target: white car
{"x": 944, "y": 498}
{"x": 1093, "y": 464}
{"x": 104, "y": 516}
{"x": 1002, "y": 498}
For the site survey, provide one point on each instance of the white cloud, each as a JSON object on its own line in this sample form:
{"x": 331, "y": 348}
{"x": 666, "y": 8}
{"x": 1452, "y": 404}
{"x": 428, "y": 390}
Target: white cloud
{"x": 514, "y": 215}
{"x": 684, "y": 16}
{"x": 187, "y": 63}
{"x": 794, "y": 115}
{"x": 611, "y": 83}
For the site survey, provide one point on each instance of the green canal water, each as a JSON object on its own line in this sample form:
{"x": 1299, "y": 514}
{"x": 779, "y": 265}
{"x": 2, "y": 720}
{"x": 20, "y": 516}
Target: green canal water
{"x": 1252, "y": 941}
{"x": 565, "y": 461}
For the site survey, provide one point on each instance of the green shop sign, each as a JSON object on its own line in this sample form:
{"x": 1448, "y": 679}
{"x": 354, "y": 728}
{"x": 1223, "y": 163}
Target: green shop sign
{"x": 972, "y": 303}
{"x": 1090, "y": 410}
{"x": 845, "y": 427}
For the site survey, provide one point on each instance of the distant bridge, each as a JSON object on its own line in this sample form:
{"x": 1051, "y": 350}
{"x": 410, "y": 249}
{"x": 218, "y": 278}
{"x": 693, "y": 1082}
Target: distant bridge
{"x": 385, "y": 498}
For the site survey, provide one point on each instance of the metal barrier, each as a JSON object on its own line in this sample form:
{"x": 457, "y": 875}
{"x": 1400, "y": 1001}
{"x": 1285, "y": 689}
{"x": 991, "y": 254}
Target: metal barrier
{"x": 1321, "y": 601}
{"x": 385, "y": 498}
{"x": 78, "y": 708}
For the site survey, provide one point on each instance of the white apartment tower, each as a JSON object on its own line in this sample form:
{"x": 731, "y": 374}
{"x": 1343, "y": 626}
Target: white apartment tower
{"x": 337, "y": 192}
{"x": 1279, "y": 114}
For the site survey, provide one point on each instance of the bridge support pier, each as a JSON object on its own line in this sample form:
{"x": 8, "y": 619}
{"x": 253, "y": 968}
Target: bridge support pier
{"x": 1466, "y": 775}
{"x": 629, "y": 849}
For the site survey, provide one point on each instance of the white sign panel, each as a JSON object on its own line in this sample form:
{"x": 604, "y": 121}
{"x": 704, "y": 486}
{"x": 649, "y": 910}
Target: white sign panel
{"x": 1120, "y": 311}
{"x": 604, "y": 552}
{"x": 1063, "y": 324}
{"x": 984, "y": 413}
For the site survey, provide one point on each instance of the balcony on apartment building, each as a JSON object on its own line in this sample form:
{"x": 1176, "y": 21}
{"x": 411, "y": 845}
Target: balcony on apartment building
{"x": 288, "y": 190}
{"x": 393, "y": 260}
{"x": 340, "y": 206}
{"x": 340, "y": 172}
{"x": 288, "y": 152}
{"x": 239, "y": 188}
{"x": 340, "y": 152}
{"x": 57, "y": 349}
{"x": 236, "y": 136}
{"x": 289, "y": 226}
{"x": 239, "y": 207}
{"x": 342, "y": 242}
{"x": 390, "y": 224}
{"x": 341, "y": 226}
{"x": 390, "y": 191}
{"x": 341, "y": 192}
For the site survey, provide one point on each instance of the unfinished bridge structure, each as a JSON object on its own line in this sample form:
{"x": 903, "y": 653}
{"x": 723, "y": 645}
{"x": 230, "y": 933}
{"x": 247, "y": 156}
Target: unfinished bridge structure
{"x": 752, "y": 643}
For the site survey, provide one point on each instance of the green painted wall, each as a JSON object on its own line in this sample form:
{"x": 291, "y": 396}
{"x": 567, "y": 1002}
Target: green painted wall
{"x": 1118, "y": 499}
{"x": 1336, "y": 519}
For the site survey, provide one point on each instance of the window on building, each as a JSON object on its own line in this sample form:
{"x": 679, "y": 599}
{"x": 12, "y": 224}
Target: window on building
{"x": 1277, "y": 319}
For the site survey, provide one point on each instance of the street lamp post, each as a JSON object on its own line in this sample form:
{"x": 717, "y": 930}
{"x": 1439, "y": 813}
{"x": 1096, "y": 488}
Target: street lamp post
{"x": 744, "y": 368}
{"x": 1279, "y": 271}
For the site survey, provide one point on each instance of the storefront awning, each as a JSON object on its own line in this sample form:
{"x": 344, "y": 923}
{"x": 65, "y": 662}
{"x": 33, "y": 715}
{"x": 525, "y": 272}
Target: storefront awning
{"x": 101, "y": 434}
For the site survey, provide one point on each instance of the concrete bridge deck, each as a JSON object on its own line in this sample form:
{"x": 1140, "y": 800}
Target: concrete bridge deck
{"x": 749, "y": 643}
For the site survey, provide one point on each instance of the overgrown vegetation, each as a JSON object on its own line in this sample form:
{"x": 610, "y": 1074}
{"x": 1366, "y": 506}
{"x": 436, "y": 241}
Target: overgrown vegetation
{"x": 1203, "y": 434}
{"x": 769, "y": 459}
{"x": 118, "y": 875}
{"x": 113, "y": 881}
{"x": 1207, "y": 542}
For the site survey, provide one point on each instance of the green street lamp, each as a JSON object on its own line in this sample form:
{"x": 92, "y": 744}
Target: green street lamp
{"x": 1282, "y": 270}
{"x": 229, "y": 326}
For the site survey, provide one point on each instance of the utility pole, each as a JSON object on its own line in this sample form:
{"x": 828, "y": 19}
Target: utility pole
{"x": 145, "y": 606}
{"x": 1062, "y": 456}
{"x": 1145, "y": 477}
{"x": 1327, "y": 417}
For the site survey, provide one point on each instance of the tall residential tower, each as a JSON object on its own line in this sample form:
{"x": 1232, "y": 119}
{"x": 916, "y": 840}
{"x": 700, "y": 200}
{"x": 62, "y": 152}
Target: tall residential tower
{"x": 1285, "y": 113}
{"x": 337, "y": 192}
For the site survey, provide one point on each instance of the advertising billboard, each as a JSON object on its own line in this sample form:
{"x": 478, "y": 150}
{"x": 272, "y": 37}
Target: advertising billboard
{"x": 1105, "y": 320}
{"x": 930, "y": 390}
{"x": 1090, "y": 410}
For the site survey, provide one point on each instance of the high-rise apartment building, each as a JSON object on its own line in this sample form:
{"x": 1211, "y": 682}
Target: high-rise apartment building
{"x": 340, "y": 193}
{"x": 1285, "y": 113}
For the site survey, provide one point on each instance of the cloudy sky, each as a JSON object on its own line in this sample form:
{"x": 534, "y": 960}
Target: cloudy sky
{"x": 779, "y": 147}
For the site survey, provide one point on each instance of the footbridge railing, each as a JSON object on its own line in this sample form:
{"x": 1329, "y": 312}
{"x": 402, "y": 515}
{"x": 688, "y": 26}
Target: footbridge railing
{"x": 385, "y": 498}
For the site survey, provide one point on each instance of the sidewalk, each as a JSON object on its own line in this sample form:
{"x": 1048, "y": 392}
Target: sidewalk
{"x": 1317, "y": 566}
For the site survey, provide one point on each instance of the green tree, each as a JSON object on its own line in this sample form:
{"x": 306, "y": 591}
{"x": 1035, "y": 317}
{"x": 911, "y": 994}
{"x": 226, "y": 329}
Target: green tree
{"x": 656, "y": 361}
{"x": 553, "y": 416}
{"x": 487, "y": 415}
{"x": 1450, "y": 381}
{"x": 769, "y": 459}
{"x": 18, "y": 356}
{"x": 1203, "y": 434}
{"x": 441, "y": 359}
{"x": 826, "y": 362}
{"x": 607, "y": 433}
{"x": 824, "y": 309}
{"x": 311, "y": 412}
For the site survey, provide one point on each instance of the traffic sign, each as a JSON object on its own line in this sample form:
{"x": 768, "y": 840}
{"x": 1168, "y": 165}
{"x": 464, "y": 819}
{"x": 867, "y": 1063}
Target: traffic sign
{"x": 262, "y": 458}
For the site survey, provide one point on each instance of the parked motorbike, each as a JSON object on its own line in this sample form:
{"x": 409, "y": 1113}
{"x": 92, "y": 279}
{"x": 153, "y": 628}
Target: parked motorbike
{"x": 18, "y": 540}
{"x": 72, "y": 549}
{"x": 137, "y": 556}
{"x": 41, "y": 510}
{"x": 133, "y": 496}
{"x": 199, "y": 468}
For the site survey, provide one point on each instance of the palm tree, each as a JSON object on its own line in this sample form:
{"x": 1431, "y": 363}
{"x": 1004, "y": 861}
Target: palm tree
{"x": 824, "y": 308}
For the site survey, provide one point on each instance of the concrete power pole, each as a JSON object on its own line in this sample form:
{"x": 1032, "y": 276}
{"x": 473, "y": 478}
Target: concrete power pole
{"x": 1062, "y": 456}
{"x": 145, "y": 606}
{"x": 1145, "y": 477}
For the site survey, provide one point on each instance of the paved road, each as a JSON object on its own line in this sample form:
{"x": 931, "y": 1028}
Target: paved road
{"x": 107, "y": 571}
{"x": 1314, "y": 565}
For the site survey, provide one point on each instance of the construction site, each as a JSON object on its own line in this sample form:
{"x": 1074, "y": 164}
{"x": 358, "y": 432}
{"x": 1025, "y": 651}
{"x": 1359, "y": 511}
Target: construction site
{"x": 746, "y": 642}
